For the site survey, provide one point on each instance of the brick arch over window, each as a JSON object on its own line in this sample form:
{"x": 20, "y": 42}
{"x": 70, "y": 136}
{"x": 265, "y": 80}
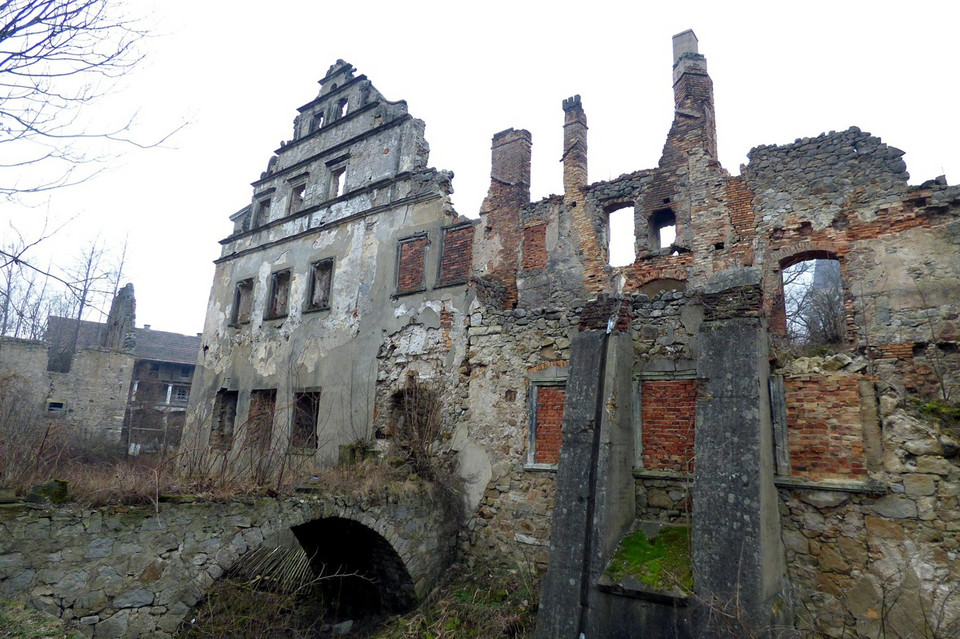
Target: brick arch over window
{"x": 784, "y": 258}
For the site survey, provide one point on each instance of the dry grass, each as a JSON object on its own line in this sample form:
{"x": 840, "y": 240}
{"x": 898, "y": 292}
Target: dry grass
{"x": 470, "y": 605}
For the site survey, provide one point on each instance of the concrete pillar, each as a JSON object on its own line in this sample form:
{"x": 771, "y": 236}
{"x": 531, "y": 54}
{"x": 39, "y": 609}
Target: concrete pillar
{"x": 738, "y": 557}
{"x": 595, "y": 494}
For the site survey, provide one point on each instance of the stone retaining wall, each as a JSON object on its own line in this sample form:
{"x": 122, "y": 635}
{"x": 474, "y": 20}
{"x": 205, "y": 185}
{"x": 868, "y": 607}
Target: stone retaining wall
{"x": 135, "y": 572}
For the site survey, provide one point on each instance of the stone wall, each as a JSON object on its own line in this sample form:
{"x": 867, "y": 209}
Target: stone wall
{"x": 94, "y": 391}
{"x": 508, "y": 349}
{"x": 136, "y": 572}
{"x": 868, "y": 563}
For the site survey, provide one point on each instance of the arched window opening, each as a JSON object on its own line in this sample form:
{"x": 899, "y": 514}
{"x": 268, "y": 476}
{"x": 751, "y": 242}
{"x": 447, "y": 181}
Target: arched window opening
{"x": 813, "y": 302}
{"x": 663, "y": 229}
{"x": 621, "y": 238}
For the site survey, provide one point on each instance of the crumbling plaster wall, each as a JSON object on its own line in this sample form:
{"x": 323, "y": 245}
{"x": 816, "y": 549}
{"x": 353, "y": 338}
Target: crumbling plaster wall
{"x": 334, "y": 350}
{"x": 506, "y": 348}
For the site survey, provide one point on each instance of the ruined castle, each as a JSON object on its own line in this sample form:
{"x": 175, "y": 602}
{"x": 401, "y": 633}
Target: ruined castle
{"x": 583, "y": 401}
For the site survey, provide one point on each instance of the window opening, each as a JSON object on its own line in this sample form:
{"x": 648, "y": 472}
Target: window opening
{"x": 813, "y": 302}
{"x": 621, "y": 244}
{"x": 186, "y": 371}
{"x": 243, "y": 302}
{"x": 279, "y": 295}
{"x": 263, "y": 212}
{"x": 225, "y": 416}
{"x": 296, "y": 197}
{"x": 320, "y": 283}
{"x": 306, "y": 412}
{"x": 56, "y": 407}
{"x": 316, "y": 122}
{"x": 663, "y": 229}
{"x": 338, "y": 178}
{"x": 181, "y": 394}
{"x": 342, "y": 108}
{"x": 263, "y": 404}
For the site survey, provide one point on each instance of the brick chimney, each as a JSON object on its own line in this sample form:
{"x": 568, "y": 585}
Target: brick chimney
{"x": 694, "y": 123}
{"x": 574, "y": 145}
{"x": 497, "y": 249}
{"x": 510, "y": 166}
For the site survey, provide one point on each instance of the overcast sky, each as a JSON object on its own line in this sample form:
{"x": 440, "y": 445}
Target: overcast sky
{"x": 236, "y": 72}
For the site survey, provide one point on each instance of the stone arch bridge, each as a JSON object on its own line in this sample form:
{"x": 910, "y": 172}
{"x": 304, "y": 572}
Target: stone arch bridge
{"x": 134, "y": 572}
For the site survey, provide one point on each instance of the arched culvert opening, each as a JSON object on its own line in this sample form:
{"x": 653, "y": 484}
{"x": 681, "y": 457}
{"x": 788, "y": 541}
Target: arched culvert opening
{"x": 361, "y": 573}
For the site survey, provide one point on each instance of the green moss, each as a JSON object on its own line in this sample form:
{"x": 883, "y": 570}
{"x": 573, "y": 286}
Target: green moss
{"x": 661, "y": 562}
{"x": 948, "y": 413}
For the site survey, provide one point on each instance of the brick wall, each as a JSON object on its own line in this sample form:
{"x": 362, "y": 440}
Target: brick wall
{"x": 668, "y": 411}
{"x": 824, "y": 428}
{"x": 549, "y": 423}
{"x": 535, "y": 246}
{"x": 410, "y": 270}
{"x": 457, "y": 255}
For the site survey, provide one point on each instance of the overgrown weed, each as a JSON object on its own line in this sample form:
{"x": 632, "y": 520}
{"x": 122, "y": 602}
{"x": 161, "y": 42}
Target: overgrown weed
{"x": 470, "y": 605}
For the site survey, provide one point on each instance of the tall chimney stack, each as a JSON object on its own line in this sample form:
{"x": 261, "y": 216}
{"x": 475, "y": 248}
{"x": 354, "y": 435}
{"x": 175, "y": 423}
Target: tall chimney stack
{"x": 574, "y": 145}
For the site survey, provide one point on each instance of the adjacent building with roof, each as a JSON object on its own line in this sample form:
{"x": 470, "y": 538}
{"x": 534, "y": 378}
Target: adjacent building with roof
{"x": 119, "y": 385}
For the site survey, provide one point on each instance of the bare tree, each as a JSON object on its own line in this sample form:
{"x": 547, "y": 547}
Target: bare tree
{"x": 813, "y": 301}
{"x": 57, "y": 56}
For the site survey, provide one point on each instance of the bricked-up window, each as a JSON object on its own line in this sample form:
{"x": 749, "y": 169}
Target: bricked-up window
{"x": 224, "y": 417}
{"x": 243, "y": 301}
{"x": 546, "y": 423}
{"x": 668, "y": 415}
{"x": 321, "y": 279}
{"x": 279, "y": 295}
{"x": 621, "y": 240}
{"x": 824, "y": 426}
{"x": 259, "y": 426}
{"x": 263, "y": 212}
{"x": 456, "y": 255}
{"x": 306, "y": 411}
{"x": 535, "y": 246}
{"x": 411, "y": 264}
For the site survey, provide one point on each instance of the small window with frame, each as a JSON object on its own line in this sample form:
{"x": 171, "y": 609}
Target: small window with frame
{"x": 242, "y": 302}
{"x": 224, "y": 418}
{"x": 338, "y": 180}
{"x": 263, "y": 212}
{"x": 321, "y": 283}
{"x": 297, "y": 193}
{"x": 279, "y": 295}
{"x": 306, "y": 413}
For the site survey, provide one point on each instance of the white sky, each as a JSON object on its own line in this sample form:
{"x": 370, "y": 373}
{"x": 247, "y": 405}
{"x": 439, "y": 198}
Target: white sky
{"x": 236, "y": 72}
